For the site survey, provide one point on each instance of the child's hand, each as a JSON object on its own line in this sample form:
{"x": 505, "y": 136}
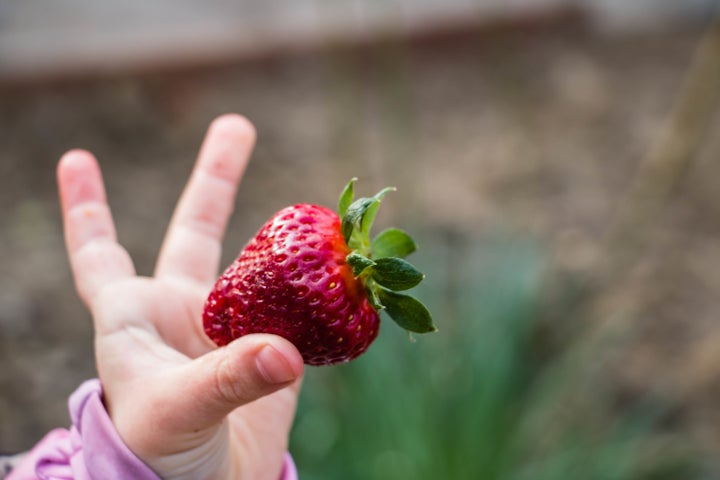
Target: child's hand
{"x": 187, "y": 409}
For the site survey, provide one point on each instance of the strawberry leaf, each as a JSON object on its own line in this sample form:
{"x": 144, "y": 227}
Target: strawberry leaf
{"x": 396, "y": 273}
{"x": 392, "y": 242}
{"x": 359, "y": 263}
{"x": 358, "y": 216}
{"x": 373, "y": 298}
{"x": 384, "y": 271}
{"x": 346, "y": 197}
{"x": 370, "y": 214}
{"x": 353, "y": 217}
{"x": 406, "y": 311}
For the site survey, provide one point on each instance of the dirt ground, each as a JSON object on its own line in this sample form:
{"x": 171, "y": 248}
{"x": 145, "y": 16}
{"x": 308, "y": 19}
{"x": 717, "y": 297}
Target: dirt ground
{"x": 536, "y": 132}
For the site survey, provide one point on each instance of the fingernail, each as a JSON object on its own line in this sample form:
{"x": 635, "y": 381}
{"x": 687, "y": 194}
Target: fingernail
{"x": 274, "y": 366}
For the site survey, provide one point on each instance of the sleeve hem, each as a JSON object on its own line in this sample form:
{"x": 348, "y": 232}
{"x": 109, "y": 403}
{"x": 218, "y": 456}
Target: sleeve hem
{"x": 92, "y": 449}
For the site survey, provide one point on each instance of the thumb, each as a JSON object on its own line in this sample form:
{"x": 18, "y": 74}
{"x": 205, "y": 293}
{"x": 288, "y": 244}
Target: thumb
{"x": 251, "y": 367}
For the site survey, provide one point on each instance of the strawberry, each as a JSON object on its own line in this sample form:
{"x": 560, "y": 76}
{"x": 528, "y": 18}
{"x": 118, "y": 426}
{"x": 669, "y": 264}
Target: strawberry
{"x": 314, "y": 277}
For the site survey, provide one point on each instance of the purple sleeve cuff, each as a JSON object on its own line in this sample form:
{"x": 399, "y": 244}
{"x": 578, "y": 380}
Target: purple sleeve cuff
{"x": 92, "y": 449}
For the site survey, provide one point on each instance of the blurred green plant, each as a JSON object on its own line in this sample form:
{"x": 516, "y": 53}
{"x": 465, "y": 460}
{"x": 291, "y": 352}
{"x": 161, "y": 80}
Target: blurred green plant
{"x": 479, "y": 399}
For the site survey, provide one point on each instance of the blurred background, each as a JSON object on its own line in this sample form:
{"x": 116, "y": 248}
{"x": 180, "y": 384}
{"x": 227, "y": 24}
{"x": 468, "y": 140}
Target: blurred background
{"x": 557, "y": 161}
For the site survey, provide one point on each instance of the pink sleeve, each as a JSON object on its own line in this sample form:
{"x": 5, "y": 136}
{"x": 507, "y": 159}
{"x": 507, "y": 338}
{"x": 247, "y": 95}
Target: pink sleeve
{"x": 92, "y": 449}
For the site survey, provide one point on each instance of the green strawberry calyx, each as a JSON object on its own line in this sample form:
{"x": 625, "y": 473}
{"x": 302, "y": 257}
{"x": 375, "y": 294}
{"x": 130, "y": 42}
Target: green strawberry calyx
{"x": 380, "y": 262}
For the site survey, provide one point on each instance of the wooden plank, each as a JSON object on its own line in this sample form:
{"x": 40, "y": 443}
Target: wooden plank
{"x": 48, "y": 39}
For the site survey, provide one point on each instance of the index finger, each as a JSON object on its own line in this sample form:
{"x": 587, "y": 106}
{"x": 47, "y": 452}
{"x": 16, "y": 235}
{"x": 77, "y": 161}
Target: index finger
{"x": 192, "y": 245}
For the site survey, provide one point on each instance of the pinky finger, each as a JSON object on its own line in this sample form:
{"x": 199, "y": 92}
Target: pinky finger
{"x": 96, "y": 259}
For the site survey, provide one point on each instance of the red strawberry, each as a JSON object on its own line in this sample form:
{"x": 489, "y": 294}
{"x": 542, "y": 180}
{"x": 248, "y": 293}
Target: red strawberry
{"x": 316, "y": 279}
